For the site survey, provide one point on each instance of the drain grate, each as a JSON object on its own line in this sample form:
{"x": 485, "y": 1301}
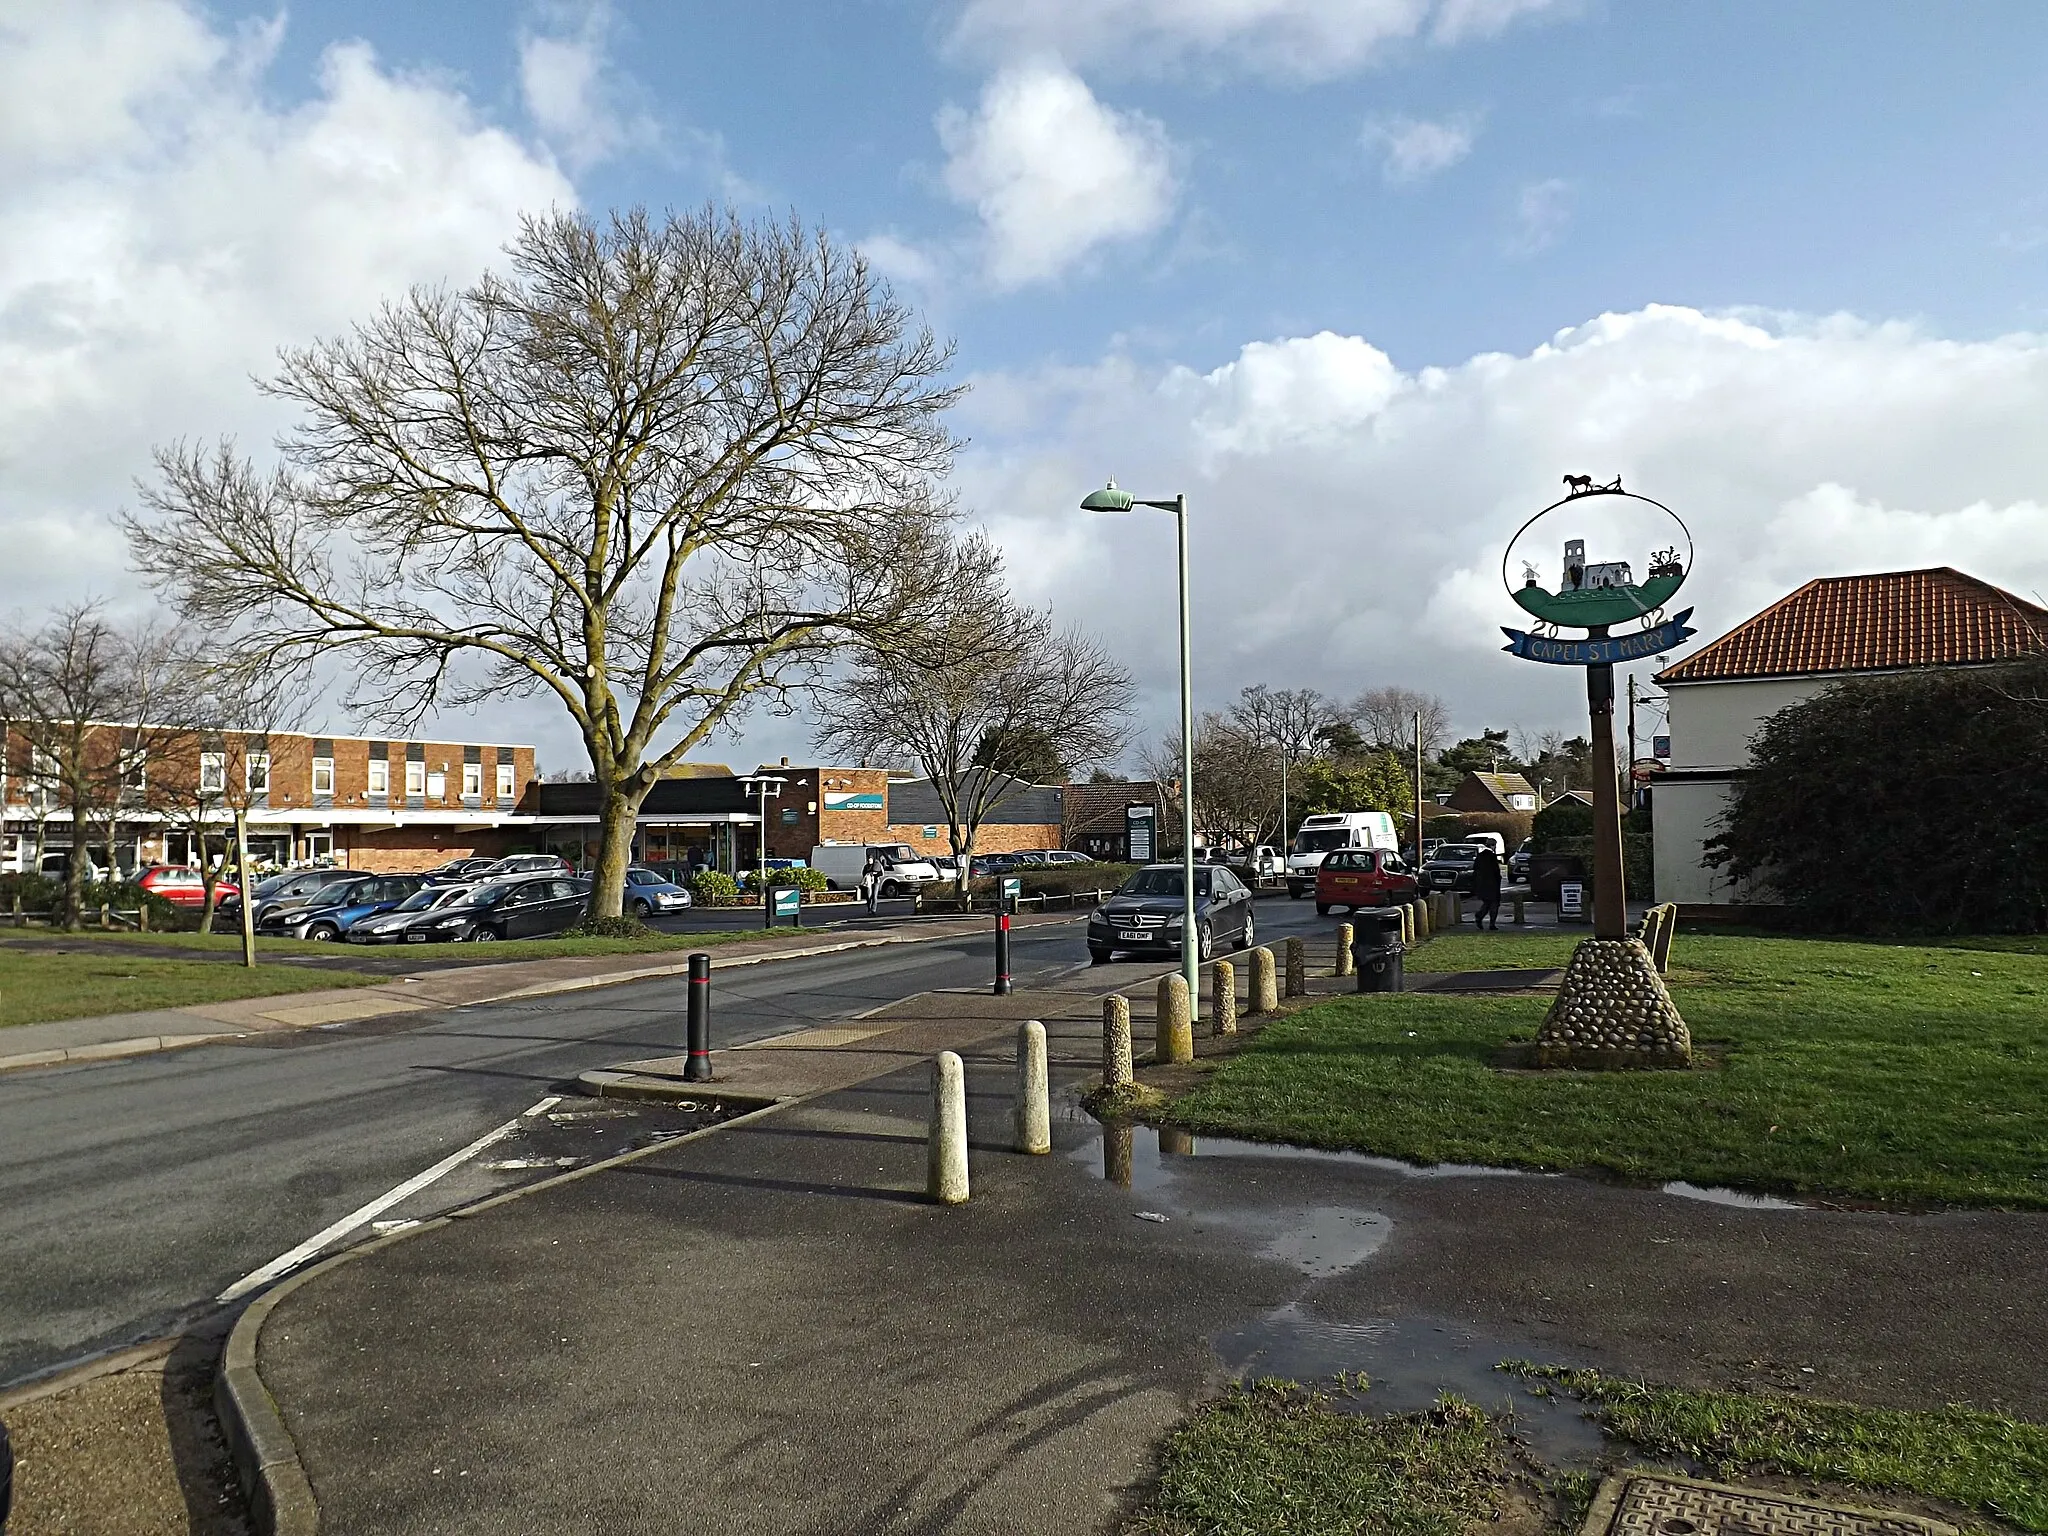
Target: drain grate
{"x": 1657, "y": 1504}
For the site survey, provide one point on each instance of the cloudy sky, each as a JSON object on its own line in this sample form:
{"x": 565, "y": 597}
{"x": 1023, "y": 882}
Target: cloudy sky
{"x": 1364, "y": 278}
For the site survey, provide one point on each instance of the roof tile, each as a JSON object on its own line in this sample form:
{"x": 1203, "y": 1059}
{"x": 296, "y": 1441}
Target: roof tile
{"x": 1879, "y": 623}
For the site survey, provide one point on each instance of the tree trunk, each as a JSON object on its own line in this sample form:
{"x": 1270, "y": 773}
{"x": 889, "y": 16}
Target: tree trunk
{"x": 963, "y": 850}
{"x": 618, "y": 816}
{"x": 74, "y": 867}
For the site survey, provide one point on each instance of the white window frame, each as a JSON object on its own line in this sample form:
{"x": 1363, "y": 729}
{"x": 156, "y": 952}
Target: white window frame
{"x": 135, "y": 770}
{"x": 472, "y": 781}
{"x": 323, "y": 770}
{"x": 437, "y": 786}
{"x": 256, "y": 772}
{"x": 380, "y": 776}
{"x": 213, "y": 773}
{"x": 415, "y": 779}
{"x": 507, "y": 781}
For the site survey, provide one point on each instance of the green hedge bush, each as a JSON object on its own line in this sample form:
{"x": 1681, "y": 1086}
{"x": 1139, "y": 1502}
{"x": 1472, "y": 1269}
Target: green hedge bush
{"x": 713, "y": 888}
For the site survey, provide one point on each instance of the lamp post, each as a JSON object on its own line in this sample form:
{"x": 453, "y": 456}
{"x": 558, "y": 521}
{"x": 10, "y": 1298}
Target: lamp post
{"x": 764, "y": 785}
{"x": 1110, "y": 499}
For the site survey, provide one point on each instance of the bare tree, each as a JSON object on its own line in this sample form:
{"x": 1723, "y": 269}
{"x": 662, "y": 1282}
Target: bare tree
{"x": 67, "y": 689}
{"x": 987, "y": 681}
{"x": 1385, "y": 717}
{"x": 660, "y": 470}
{"x": 1296, "y": 722}
{"x": 1237, "y": 777}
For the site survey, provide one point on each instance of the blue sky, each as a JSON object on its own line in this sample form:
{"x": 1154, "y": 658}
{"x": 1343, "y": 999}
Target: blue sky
{"x": 1364, "y": 277}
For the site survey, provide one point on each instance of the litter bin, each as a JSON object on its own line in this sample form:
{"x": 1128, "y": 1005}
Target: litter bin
{"x": 1376, "y": 949}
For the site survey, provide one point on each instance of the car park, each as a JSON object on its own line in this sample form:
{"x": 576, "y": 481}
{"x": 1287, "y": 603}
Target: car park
{"x": 1146, "y": 914}
{"x": 525, "y": 907}
{"x": 181, "y": 885}
{"x": 459, "y": 871}
{"x": 388, "y": 927}
{"x": 648, "y": 892}
{"x": 522, "y": 864}
{"x": 1362, "y": 877}
{"x": 275, "y": 890}
{"x": 277, "y": 915}
{"x": 1450, "y": 867}
{"x": 346, "y": 905}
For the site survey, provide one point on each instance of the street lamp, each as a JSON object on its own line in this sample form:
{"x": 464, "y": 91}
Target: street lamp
{"x": 765, "y": 785}
{"x": 1110, "y": 499}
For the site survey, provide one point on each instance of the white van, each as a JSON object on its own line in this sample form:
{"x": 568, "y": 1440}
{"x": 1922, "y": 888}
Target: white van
{"x": 902, "y": 869}
{"x": 1338, "y": 829}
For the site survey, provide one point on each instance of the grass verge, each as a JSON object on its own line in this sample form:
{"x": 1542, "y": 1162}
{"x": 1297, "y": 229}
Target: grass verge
{"x": 1986, "y": 1462}
{"x": 38, "y": 987}
{"x": 1278, "y": 1460}
{"x": 1891, "y": 1073}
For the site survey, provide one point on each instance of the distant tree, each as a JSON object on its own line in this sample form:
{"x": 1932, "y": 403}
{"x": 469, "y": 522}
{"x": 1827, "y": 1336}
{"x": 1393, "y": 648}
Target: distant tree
{"x": 1488, "y": 752}
{"x": 1380, "y": 782}
{"x": 1237, "y": 778}
{"x": 982, "y": 683}
{"x": 1909, "y": 803}
{"x": 659, "y": 470}
{"x": 1554, "y": 763}
{"x": 1385, "y": 718}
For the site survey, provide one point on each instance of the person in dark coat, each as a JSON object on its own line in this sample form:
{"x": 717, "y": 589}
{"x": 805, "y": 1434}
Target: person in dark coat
{"x": 1486, "y": 888}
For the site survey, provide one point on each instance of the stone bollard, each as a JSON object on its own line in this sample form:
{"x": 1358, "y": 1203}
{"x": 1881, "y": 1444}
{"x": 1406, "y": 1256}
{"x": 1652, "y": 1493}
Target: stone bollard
{"x": 106, "y": 915}
{"x": 1222, "y": 998}
{"x": 1175, "y": 1142}
{"x": 1662, "y": 953}
{"x": 1422, "y": 916}
{"x": 1116, "y": 1042}
{"x": 1174, "y": 1034}
{"x": 1407, "y": 925}
{"x": 946, "y": 1149}
{"x": 1265, "y": 996}
{"x": 1118, "y": 1143}
{"x": 1521, "y": 911}
{"x": 142, "y": 917}
{"x": 1033, "y": 1113}
{"x": 1343, "y": 965}
{"x": 1297, "y": 968}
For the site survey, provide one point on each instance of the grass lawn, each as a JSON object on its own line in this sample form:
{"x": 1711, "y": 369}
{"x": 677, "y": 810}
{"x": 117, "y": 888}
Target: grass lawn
{"x": 36, "y": 987}
{"x": 1871, "y": 1071}
{"x": 478, "y": 954}
{"x": 1272, "y": 1459}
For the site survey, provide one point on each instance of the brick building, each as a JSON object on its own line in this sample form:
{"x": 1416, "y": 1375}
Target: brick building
{"x": 363, "y": 802}
{"x": 1028, "y": 816}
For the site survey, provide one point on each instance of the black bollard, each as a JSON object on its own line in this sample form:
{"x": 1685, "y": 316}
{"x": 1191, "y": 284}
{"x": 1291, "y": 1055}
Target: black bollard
{"x": 697, "y": 1066}
{"x": 1003, "y": 952}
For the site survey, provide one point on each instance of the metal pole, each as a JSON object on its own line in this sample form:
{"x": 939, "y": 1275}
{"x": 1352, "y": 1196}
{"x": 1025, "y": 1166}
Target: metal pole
{"x": 248, "y": 902}
{"x": 697, "y": 1065}
{"x": 1002, "y": 988}
{"x": 1190, "y": 948}
{"x": 1418, "y": 791}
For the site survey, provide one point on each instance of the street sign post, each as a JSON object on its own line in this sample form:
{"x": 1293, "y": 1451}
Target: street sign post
{"x": 1010, "y": 887}
{"x": 789, "y": 902}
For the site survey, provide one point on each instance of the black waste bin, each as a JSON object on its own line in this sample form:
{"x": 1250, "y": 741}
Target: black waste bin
{"x": 1376, "y": 949}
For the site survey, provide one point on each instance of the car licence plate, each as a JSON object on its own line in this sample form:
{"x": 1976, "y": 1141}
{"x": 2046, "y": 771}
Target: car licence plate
{"x": 1132, "y": 938}
{"x": 415, "y": 938}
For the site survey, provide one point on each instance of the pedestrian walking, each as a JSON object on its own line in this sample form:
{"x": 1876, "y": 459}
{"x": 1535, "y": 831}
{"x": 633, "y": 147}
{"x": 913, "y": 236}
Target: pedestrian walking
{"x": 871, "y": 883}
{"x": 1486, "y": 888}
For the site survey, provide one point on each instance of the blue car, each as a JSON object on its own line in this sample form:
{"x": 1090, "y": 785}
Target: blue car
{"x": 649, "y": 892}
{"x": 352, "y": 903}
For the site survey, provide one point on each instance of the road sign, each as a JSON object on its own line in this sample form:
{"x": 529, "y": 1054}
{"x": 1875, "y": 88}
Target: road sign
{"x": 788, "y": 900}
{"x": 1012, "y": 887}
{"x": 1601, "y": 652}
{"x": 1138, "y": 829}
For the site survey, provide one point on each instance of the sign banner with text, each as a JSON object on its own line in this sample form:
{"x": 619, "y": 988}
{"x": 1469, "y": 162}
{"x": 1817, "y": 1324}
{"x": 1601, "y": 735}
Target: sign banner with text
{"x": 1599, "y": 653}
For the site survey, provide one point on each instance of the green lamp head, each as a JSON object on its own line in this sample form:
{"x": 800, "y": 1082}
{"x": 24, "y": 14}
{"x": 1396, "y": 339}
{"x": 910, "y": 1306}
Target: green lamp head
{"x": 1108, "y": 499}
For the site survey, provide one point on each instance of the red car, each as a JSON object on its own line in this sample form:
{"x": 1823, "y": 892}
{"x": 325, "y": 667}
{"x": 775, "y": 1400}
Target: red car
{"x": 181, "y": 885}
{"x": 1362, "y": 877}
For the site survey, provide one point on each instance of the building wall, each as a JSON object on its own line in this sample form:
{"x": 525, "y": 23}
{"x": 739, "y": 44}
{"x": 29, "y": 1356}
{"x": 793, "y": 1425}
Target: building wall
{"x": 997, "y": 838}
{"x": 809, "y": 794}
{"x": 1711, "y": 723}
{"x": 409, "y": 850}
{"x": 1684, "y": 816}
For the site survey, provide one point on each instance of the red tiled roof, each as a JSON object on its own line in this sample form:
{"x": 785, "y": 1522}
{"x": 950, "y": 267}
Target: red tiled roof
{"x": 1879, "y": 623}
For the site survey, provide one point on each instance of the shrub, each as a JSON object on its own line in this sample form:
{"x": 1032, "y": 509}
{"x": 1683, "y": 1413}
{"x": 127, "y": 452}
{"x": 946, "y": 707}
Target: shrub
{"x": 1061, "y": 879}
{"x": 610, "y": 928}
{"x": 805, "y": 879}
{"x": 713, "y": 888}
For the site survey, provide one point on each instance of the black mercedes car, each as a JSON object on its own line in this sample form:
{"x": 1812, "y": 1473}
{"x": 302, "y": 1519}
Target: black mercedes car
{"x": 1144, "y": 916}
{"x": 1450, "y": 867}
{"x": 528, "y": 908}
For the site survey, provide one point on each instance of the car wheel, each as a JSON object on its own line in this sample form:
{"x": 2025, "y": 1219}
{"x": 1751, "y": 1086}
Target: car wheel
{"x": 1322, "y": 909}
{"x": 643, "y": 908}
{"x": 891, "y": 890}
{"x": 483, "y": 935}
{"x": 1296, "y": 892}
{"x": 1098, "y": 956}
{"x": 1250, "y": 933}
{"x": 323, "y": 933}
{"x": 1205, "y": 942}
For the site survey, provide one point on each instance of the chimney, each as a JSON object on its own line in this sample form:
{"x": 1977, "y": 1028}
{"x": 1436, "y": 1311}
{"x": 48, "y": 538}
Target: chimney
{"x": 785, "y": 762}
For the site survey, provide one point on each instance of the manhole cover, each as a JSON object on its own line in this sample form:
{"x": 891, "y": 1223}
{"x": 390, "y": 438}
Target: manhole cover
{"x": 1655, "y": 1504}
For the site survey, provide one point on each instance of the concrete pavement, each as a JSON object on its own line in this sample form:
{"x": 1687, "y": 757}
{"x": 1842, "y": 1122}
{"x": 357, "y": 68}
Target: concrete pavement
{"x": 768, "y": 1328}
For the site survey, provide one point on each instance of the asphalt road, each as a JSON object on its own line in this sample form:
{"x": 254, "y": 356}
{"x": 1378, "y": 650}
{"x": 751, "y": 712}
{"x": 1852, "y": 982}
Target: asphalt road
{"x": 136, "y": 1191}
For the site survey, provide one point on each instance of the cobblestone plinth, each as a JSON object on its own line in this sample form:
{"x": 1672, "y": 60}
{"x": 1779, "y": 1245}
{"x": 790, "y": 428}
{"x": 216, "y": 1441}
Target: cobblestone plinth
{"x": 1612, "y": 1011}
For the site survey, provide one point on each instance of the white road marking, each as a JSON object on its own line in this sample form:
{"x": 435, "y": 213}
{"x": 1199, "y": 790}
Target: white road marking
{"x": 284, "y": 1263}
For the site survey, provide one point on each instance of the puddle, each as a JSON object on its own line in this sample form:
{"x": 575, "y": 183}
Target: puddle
{"x": 1138, "y": 1157}
{"x": 1408, "y": 1362}
{"x": 1740, "y": 1199}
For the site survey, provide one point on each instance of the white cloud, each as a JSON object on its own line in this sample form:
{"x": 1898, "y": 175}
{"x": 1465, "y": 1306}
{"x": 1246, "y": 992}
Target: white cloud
{"x": 1349, "y": 517}
{"x": 156, "y": 250}
{"x": 1052, "y": 173}
{"x": 1543, "y": 209}
{"x": 1413, "y": 149}
{"x": 572, "y": 94}
{"x": 1306, "y": 39}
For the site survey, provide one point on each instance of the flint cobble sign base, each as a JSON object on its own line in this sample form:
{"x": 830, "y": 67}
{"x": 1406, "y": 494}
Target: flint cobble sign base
{"x": 1660, "y": 1504}
{"x": 1612, "y": 1010}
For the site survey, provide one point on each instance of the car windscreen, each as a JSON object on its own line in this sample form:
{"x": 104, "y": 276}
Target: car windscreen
{"x": 1161, "y": 882}
{"x": 1457, "y": 853}
{"x": 1323, "y": 840}
{"x": 490, "y": 895}
{"x": 424, "y": 899}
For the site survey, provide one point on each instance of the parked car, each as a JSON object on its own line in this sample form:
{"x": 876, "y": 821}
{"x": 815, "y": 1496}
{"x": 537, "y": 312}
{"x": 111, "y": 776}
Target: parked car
{"x": 525, "y": 907}
{"x": 1024, "y": 856}
{"x": 389, "y": 927}
{"x": 1144, "y": 917}
{"x": 341, "y": 906}
{"x": 1363, "y": 877}
{"x": 1323, "y": 834}
{"x": 902, "y": 870}
{"x": 522, "y": 864}
{"x": 288, "y": 892}
{"x": 648, "y": 893}
{"x": 182, "y": 885}
{"x": 459, "y": 871}
{"x": 56, "y": 864}
{"x": 277, "y": 915}
{"x": 1518, "y": 861}
{"x": 1450, "y": 867}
